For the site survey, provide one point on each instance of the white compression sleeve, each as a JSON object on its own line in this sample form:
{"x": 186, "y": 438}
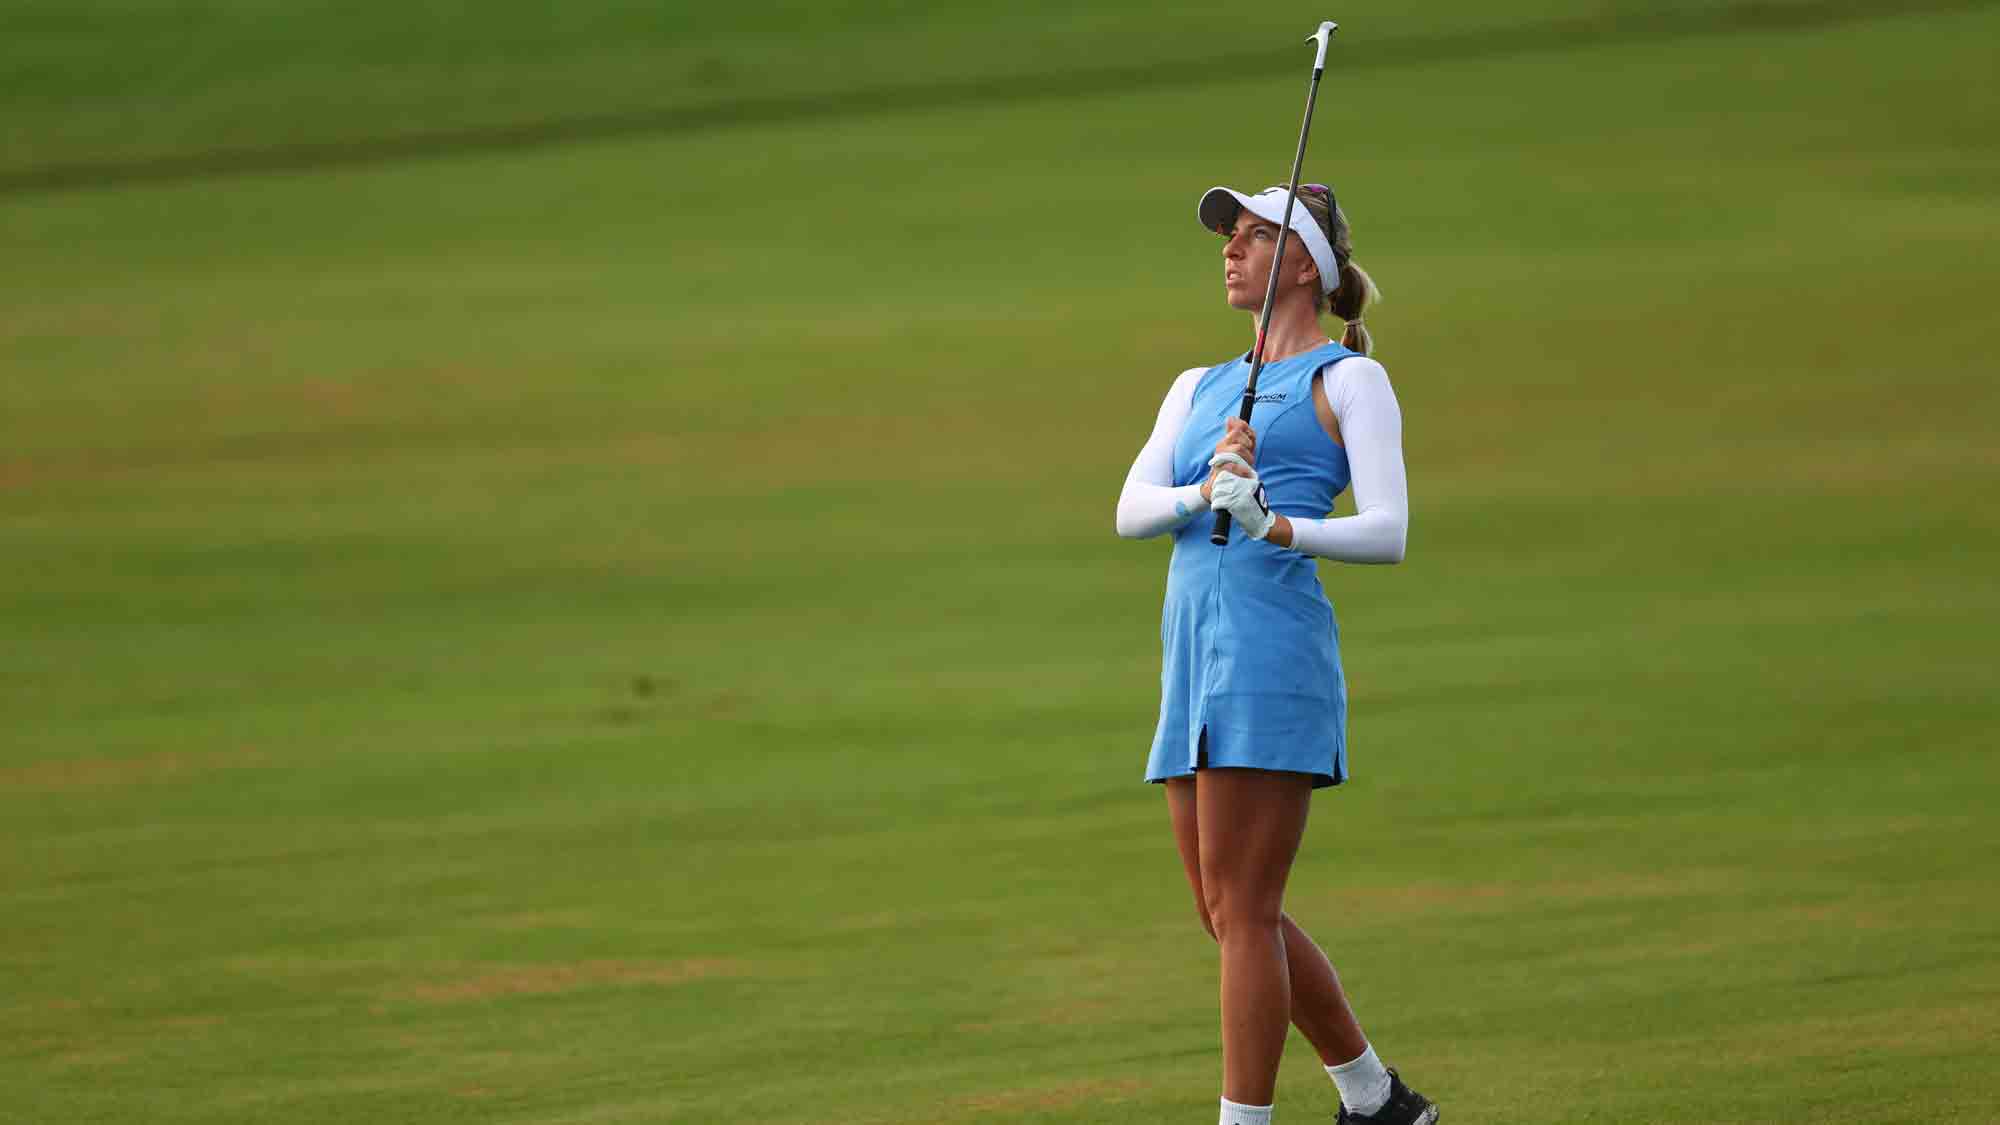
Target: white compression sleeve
{"x": 1371, "y": 427}
{"x": 1149, "y": 504}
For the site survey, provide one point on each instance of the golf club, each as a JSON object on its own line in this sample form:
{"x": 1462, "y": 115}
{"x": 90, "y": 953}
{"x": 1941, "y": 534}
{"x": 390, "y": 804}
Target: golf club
{"x": 1220, "y": 534}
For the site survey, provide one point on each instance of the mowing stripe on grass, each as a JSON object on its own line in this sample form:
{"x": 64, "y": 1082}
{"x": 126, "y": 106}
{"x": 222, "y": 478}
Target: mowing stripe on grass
{"x": 1575, "y": 33}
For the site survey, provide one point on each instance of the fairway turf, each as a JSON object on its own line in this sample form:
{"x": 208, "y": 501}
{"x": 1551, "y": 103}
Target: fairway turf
{"x": 97, "y": 90}
{"x": 632, "y": 632}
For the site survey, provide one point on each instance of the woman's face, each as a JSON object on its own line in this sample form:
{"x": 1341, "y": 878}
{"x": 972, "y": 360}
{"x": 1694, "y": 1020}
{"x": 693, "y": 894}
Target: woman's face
{"x": 1246, "y": 262}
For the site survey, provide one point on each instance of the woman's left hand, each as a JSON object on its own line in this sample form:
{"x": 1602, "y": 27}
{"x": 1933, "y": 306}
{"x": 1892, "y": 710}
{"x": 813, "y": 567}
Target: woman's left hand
{"x": 1239, "y": 492}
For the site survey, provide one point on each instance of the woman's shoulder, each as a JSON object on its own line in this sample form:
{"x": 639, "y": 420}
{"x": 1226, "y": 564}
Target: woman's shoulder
{"x": 1187, "y": 382}
{"x": 1195, "y": 375}
{"x": 1356, "y": 381}
{"x": 1355, "y": 373}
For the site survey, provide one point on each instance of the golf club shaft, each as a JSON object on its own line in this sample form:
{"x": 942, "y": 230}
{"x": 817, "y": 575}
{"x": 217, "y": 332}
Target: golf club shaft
{"x": 1219, "y": 535}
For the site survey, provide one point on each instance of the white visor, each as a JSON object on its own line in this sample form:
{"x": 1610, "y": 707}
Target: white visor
{"x": 1218, "y": 212}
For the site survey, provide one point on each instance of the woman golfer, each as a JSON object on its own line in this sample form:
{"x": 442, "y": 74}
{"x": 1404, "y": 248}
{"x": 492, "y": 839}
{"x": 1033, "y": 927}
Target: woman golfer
{"x": 1253, "y": 706}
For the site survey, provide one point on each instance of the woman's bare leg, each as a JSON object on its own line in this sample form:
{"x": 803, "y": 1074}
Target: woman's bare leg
{"x": 1249, "y": 824}
{"x": 1319, "y": 1005}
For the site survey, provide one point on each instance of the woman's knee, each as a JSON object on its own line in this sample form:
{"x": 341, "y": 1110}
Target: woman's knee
{"x": 1226, "y": 913}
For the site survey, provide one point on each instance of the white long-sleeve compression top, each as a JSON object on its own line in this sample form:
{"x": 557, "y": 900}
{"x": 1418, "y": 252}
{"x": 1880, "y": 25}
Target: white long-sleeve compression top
{"x": 1371, "y": 429}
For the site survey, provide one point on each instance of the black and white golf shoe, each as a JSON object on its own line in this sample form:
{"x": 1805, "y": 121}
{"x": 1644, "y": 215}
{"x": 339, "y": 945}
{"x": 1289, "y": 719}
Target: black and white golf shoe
{"x": 1404, "y": 1107}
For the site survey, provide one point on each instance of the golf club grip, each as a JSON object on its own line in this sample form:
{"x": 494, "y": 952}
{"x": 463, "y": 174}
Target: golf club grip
{"x": 1219, "y": 534}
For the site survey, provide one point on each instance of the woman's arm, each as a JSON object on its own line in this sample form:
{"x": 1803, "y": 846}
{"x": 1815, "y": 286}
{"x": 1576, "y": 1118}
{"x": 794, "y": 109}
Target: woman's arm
{"x": 1371, "y": 427}
{"x": 1149, "y": 504}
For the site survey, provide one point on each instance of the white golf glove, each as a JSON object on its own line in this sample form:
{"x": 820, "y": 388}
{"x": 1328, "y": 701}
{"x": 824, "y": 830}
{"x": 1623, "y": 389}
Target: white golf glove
{"x": 1241, "y": 497}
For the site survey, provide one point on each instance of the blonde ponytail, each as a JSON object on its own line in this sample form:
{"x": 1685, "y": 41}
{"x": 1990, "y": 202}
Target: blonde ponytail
{"x": 1357, "y": 291}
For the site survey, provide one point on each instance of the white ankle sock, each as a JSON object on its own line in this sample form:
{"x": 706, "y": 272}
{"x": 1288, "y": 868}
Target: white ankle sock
{"x": 1363, "y": 1083}
{"x": 1233, "y": 1114}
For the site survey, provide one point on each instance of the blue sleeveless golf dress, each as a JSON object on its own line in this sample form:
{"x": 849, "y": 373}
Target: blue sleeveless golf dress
{"x": 1250, "y": 656}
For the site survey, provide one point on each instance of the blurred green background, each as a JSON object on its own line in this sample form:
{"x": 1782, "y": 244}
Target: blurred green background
{"x": 558, "y": 560}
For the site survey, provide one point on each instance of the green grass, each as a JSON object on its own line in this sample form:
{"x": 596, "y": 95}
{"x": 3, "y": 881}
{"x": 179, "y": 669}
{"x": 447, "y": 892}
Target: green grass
{"x": 386, "y": 734}
{"x": 90, "y": 88}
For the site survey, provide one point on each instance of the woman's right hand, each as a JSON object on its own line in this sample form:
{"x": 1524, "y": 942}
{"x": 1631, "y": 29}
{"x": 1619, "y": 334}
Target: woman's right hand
{"x": 1239, "y": 439}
